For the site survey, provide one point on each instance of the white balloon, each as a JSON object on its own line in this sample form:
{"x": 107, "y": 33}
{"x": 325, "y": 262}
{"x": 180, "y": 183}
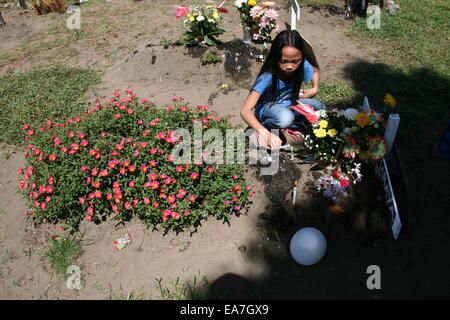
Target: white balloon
{"x": 308, "y": 246}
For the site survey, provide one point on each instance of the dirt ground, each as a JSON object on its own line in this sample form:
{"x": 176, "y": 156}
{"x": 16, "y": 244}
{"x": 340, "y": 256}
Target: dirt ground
{"x": 250, "y": 257}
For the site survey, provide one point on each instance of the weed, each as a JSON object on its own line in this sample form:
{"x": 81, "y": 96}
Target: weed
{"x": 192, "y": 289}
{"x": 210, "y": 57}
{"x": 62, "y": 253}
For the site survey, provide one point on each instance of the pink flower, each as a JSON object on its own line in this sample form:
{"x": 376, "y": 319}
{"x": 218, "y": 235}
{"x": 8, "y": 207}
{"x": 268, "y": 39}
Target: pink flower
{"x": 88, "y": 180}
{"x": 131, "y": 184}
{"x": 155, "y": 205}
{"x": 153, "y": 176}
{"x": 88, "y": 217}
{"x": 48, "y": 199}
{"x": 155, "y": 185}
{"x": 179, "y": 169}
{"x": 167, "y": 180}
{"x": 60, "y": 228}
{"x": 103, "y": 173}
{"x": 94, "y": 172}
{"x": 169, "y": 108}
{"x": 171, "y": 199}
{"x": 163, "y": 176}
{"x": 117, "y": 116}
{"x": 117, "y": 94}
{"x": 84, "y": 143}
{"x": 81, "y": 135}
{"x": 237, "y": 208}
{"x": 175, "y": 215}
{"x": 71, "y": 134}
{"x": 127, "y": 205}
{"x": 235, "y": 177}
{"x": 143, "y": 144}
{"x": 344, "y": 183}
{"x": 153, "y": 151}
{"x": 194, "y": 175}
{"x": 210, "y": 170}
{"x": 109, "y": 196}
{"x": 192, "y": 198}
{"x": 147, "y": 200}
{"x": 135, "y": 202}
{"x": 235, "y": 199}
{"x": 43, "y": 206}
{"x": 49, "y": 190}
{"x": 163, "y": 196}
{"x": 227, "y": 202}
{"x": 183, "y": 108}
{"x": 161, "y": 135}
{"x": 166, "y": 212}
{"x": 140, "y": 122}
{"x": 83, "y": 168}
{"x": 153, "y": 163}
{"x": 130, "y": 111}
{"x": 115, "y": 208}
{"x": 52, "y": 157}
{"x": 170, "y": 158}
{"x": 122, "y": 171}
{"x": 252, "y": 194}
{"x": 96, "y": 184}
{"x": 132, "y": 168}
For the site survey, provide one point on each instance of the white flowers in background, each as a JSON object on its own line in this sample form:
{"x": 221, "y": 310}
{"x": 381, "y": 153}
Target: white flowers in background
{"x": 357, "y": 171}
{"x": 321, "y": 114}
{"x": 200, "y": 18}
{"x": 350, "y": 113}
{"x": 347, "y": 131}
{"x": 239, "y": 3}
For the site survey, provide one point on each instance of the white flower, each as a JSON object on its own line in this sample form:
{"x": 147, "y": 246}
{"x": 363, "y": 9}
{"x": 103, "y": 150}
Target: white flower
{"x": 211, "y": 20}
{"x": 350, "y": 113}
{"x": 347, "y": 130}
{"x": 239, "y": 3}
{"x": 200, "y": 18}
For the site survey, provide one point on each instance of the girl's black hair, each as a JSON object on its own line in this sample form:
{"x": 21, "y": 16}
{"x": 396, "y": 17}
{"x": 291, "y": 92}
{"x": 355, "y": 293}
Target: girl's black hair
{"x": 285, "y": 38}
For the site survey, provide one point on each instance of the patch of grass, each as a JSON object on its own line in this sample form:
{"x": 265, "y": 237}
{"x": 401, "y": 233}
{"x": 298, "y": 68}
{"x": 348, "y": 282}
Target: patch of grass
{"x": 418, "y": 34}
{"x": 133, "y": 295}
{"x": 37, "y": 96}
{"x": 416, "y": 41}
{"x": 210, "y": 57}
{"x": 62, "y": 253}
{"x": 192, "y": 289}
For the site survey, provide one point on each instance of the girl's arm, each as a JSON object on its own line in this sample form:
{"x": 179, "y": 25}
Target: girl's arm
{"x": 311, "y": 92}
{"x": 271, "y": 141}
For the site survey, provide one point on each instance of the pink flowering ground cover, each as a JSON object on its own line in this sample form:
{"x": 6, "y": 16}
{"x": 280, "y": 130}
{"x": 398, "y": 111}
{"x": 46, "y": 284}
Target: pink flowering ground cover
{"x": 114, "y": 161}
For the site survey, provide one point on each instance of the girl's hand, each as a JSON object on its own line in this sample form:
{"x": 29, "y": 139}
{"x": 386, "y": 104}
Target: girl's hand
{"x": 308, "y": 93}
{"x": 269, "y": 140}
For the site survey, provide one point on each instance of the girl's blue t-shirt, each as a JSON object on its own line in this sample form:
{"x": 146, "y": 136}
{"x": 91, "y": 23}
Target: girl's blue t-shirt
{"x": 285, "y": 95}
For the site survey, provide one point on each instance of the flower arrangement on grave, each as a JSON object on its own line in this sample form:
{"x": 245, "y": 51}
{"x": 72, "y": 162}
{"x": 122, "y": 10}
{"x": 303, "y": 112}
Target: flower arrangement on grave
{"x": 258, "y": 19}
{"x": 202, "y": 23}
{"x": 115, "y": 161}
{"x": 265, "y": 18}
{"x": 342, "y": 140}
{"x": 244, "y": 7}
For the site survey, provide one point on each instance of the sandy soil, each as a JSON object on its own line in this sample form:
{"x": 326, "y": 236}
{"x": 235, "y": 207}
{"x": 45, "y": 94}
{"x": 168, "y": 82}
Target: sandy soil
{"x": 249, "y": 256}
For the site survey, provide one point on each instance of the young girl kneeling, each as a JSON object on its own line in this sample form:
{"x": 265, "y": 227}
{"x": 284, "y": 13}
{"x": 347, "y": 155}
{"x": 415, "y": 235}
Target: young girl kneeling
{"x": 277, "y": 89}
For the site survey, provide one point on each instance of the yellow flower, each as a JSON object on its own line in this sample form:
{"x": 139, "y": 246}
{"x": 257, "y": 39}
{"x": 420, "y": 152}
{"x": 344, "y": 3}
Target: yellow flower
{"x": 215, "y": 15}
{"x": 355, "y": 129}
{"x": 320, "y": 133}
{"x": 332, "y": 132}
{"x": 252, "y": 3}
{"x": 390, "y": 101}
{"x": 362, "y": 119}
{"x": 323, "y": 123}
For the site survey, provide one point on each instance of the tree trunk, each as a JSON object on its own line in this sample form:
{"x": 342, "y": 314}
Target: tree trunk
{"x": 2, "y": 22}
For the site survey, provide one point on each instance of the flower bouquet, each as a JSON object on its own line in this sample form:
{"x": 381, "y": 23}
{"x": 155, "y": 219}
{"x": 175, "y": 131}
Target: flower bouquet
{"x": 342, "y": 139}
{"x": 258, "y": 20}
{"x": 265, "y": 18}
{"x": 203, "y": 24}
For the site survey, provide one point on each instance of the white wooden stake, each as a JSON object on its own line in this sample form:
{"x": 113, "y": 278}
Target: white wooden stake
{"x": 295, "y": 14}
{"x": 391, "y": 132}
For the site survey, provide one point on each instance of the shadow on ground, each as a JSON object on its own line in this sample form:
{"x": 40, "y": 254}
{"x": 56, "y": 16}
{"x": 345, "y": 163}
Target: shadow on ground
{"x": 413, "y": 266}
